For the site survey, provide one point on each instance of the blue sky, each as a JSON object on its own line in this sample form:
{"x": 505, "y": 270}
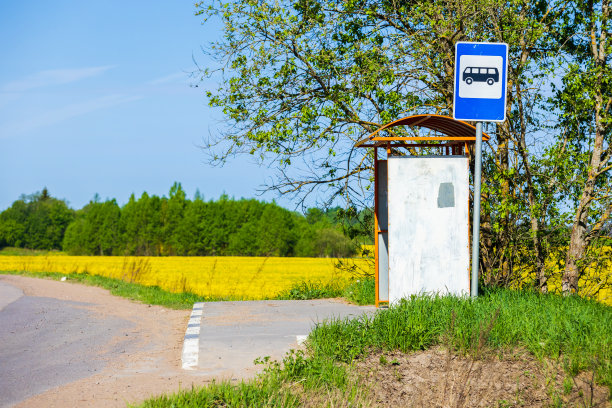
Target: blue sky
{"x": 95, "y": 97}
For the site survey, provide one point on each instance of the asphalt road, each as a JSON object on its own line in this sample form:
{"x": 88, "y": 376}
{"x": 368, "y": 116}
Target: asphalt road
{"x": 47, "y": 342}
{"x": 233, "y": 334}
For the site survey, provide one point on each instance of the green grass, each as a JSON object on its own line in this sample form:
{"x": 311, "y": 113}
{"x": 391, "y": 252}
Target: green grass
{"x": 572, "y": 330}
{"x": 360, "y": 291}
{"x": 578, "y": 331}
{"x": 13, "y": 251}
{"x": 224, "y": 394}
{"x": 151, "y": 295}
{"x": 311, "y": 290}
{"x": 278, "y": 386}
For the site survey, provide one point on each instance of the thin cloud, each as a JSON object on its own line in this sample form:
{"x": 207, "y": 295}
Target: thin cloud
{"x": 53, "y": 77}
{"x": 169, "y": 78}
{"x": 64, "y": 113}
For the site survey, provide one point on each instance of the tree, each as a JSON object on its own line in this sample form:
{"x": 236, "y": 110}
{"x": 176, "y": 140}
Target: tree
{"x": 191, "y": 232}
{"x": 141, "y": 225}
{"x": 13, "y": 224}
{"x": 275, "y": 235}
{"x": 585, "y": 103}
{"x": 303, "y": 80}
{"x": 96, "y": 231}
{"x": 37, "y": 221}
{"x": 74, "y": 241}
{"x": 172, "y": 210}
{"x": 244, "y": 242}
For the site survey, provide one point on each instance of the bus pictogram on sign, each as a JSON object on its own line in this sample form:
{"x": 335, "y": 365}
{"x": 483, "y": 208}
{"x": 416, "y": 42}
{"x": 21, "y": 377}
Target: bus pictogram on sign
{"x": 481, "y": 74}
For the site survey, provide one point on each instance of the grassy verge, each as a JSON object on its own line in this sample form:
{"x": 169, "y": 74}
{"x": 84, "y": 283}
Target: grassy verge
{"x": 551, "y": 326}
{"x": 573, "y": 331}
{"x": 14, "y": 251}
{"x": 151, "y": 295}
{"x": 311, "y": 290}
{"x": 360, "y": 291}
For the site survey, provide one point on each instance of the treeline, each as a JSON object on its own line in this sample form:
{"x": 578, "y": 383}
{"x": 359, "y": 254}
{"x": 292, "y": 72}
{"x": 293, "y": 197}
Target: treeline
{"x": 173, "y": 225}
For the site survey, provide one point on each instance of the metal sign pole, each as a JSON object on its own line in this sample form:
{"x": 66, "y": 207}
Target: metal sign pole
{"x": 476, "y": 211}
{"x": 481, "y": 79}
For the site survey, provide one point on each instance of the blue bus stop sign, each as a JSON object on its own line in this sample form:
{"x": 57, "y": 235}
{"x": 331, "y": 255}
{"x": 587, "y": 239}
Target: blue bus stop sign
{"x": 481, "y": 72}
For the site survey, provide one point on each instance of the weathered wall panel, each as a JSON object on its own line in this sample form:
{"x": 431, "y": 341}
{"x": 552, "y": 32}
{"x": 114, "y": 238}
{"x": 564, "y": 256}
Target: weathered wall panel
{"x": 428, "y": 225}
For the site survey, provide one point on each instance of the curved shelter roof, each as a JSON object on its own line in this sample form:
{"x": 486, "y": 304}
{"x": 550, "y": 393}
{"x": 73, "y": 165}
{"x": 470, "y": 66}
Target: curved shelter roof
{"x": 451, "y": 129}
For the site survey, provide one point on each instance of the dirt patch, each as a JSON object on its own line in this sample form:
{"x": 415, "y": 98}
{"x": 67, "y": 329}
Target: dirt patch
{"x": 157, "y": 334}
{"x": 439, "y": 378}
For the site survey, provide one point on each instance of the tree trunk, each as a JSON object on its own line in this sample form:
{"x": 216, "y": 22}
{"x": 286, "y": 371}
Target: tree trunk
{"x": 576, "y": 250}
{"x": 503, "y": 166}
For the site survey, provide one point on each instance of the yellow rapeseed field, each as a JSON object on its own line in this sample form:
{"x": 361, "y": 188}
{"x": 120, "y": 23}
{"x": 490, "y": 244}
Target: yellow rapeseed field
{"x": 595, "y": 283}
{"x": 215, "y": 277}
{"x": 241, "y": 277}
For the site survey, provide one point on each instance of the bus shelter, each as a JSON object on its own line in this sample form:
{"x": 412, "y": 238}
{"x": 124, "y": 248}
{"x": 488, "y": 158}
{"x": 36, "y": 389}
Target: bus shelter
{"x": 421, "y": 207}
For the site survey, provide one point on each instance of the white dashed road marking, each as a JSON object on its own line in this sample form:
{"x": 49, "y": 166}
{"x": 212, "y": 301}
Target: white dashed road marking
{"x": 191, "y": 344}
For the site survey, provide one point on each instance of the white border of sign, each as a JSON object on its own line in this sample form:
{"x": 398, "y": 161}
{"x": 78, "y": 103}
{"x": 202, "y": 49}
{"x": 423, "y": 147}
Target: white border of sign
{"x": 504, "y": 84}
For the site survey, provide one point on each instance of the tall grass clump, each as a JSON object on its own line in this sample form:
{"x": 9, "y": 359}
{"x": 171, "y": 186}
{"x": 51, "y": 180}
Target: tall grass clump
{"x": 225, "y": 394}
{"x": 359, "y": 291}
{"x": 280, "y": 385}
{"x": 572, "y": 329}
{"x": 311, "y": 290}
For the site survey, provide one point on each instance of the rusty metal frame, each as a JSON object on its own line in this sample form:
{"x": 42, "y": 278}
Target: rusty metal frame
{"x": 458, "y": 136}
{"x": 454, "y": 130}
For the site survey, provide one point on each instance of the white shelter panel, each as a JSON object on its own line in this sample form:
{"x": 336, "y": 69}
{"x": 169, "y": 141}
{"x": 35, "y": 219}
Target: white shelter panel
{"x": 428, "y": 226}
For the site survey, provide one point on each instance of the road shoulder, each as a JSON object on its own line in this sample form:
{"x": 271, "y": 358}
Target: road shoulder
{"x": 8, "y": 294}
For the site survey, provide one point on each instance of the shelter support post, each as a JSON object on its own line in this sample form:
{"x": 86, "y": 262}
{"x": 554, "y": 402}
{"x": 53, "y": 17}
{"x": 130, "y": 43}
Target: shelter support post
{"x": 376, "y": 227}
